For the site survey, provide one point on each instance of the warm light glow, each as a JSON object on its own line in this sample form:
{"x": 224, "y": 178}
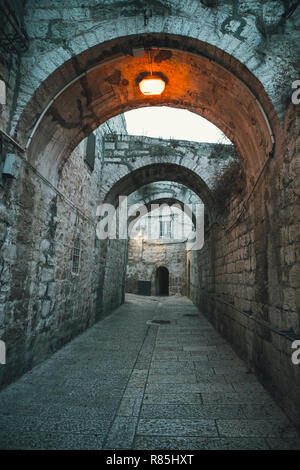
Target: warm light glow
{"x": 152, "y": 86}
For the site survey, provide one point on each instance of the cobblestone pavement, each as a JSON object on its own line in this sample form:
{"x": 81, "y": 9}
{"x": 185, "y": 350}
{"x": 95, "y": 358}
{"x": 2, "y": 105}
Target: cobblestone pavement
{"x": 129, "y": 384}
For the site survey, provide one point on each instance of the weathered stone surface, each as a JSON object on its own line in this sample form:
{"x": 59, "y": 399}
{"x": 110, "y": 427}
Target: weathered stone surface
{"x": 59, "y": 304}
{"x": 243, "y": 31}
{"x": 240, "y": 288}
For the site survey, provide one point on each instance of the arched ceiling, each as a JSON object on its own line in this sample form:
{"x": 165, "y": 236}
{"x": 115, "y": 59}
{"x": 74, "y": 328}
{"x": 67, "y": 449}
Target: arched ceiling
{"x": 164, "y": 202}
{"x": 161, "y": 172}
{"x": 163, "y": 190}
{"x": 194, "y": 82}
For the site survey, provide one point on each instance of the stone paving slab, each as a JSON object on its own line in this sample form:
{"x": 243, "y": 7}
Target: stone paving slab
{"x": 121, "y": 435}
{"x": 270, "y": 427}
{"x": 177, "y": 427}
{"x": 172, "y": 365}
{"x": 193, "y": 388}
{"x": 235, "y": 397}
{"x": 210, "y": 378}
{"x": 283, "y": 443}
{"x": 34, "y": 440}
{"x": 130, "y": 406}
{"x": 172, "y": 398}
{"x": 127, "y": 384}
{"x": 211, "y": 443}
{"x": 191, "y": 411}
{"x": 264, "y": 410}
{"x": 238, "y": 377}
{"x": 66, "y": 424}
{"x": 172, "y": 379}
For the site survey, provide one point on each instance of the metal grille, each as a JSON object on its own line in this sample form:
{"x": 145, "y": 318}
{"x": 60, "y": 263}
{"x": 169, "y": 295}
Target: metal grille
{"x": 144, "y": 287}
{"x": 165, "y": 229}
{"x": 76, "y": 255}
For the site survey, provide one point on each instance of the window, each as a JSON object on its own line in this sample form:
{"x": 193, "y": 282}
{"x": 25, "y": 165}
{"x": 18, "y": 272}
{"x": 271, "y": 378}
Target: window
{"x": 90, "y": 151}
{"x": 76, "y": 255}
{"x": 165, "y": 228}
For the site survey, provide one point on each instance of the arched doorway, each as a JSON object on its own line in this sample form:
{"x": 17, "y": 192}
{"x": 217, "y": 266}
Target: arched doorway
{"x": 162, "y": 281}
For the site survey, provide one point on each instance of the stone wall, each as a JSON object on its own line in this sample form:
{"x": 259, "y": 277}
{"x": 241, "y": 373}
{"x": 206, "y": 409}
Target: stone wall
{"x": 125, "y": 153}
{"x": 246, "y": 277}
{"x": 44, "y": 303}
{"x": 146, "y": 256}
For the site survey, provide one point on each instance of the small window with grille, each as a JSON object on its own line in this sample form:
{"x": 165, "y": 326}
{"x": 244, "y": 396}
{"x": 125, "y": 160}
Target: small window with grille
{"x": 76, "y": 255}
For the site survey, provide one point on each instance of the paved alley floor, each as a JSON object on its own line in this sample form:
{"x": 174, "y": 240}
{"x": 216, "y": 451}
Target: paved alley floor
{"x": 128, "y": 384}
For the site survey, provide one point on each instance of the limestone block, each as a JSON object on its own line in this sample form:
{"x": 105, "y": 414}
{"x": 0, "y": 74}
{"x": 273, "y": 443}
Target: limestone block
{"x": 47, "y": 274}
{"x": 8, "y": 252}
{"x": 45, "y": 308}
{"x": 42, "y": 289}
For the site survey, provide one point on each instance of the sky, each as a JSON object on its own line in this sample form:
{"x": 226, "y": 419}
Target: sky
{"x": 167, "y": 123}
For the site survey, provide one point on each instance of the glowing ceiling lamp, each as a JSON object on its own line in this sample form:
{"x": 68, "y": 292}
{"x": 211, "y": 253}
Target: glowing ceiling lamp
{"x": 152, "y": 84}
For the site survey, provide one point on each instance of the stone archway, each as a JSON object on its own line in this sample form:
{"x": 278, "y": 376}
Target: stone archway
{"x": 200, "y": 83}
{"x": 165, "y": 202}
{"x": 159, "y": 172}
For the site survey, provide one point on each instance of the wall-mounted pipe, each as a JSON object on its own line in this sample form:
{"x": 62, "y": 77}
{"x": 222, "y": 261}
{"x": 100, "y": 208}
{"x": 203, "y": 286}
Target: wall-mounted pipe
{"x": 12, "y": 141}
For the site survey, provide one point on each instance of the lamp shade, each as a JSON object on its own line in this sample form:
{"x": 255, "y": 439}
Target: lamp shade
{"x": 152, "y": 86}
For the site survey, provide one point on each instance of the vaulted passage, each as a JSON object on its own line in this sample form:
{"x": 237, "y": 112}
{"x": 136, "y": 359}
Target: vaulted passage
{"x": 90, "y": 212}
{"x": 125, "y": 384}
